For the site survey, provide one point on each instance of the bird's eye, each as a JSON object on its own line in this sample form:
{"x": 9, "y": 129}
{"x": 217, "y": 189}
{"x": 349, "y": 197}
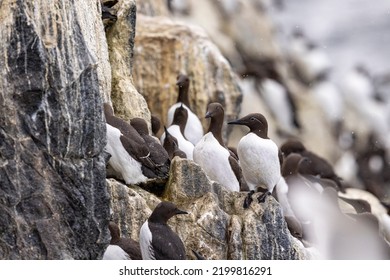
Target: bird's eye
{"x": 252, "y": 119}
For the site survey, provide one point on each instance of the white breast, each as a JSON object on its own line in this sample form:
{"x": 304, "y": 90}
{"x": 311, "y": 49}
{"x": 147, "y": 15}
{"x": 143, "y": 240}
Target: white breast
{"x": 214, "y": 160}
{"x": 120, "y": 160}
{"x": 145, "y": 242}
{"x": 114, "y": 252}
{"x": 330, "y": 99}
{"x": 259, "y": 161}
{"x": 184, "y": 145}
{"x": 193, "y": 130}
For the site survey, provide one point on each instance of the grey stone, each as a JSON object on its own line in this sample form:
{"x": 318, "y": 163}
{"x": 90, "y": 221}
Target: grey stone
{"x": 54, "y": 201}
{"x": 217, "y": 226}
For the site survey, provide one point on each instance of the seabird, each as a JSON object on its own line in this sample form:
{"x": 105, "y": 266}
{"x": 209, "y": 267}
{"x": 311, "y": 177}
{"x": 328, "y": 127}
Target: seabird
{"x": 316, "y": 165}
{"x": 299, "y": 194}
{"x": 130, "y": 246}
{"x": 330, "y": 100}
{"x": 193, "y": 127}
{"x": 349, "y": 236}
{"x": 258, "y": 155}
{"x": 213, "y": 156}
{"x": 177, "y": 128}
{"x": 278, "y": 98}
{"x": 130, "y": 155}
{"x": 157, "y": 240}
{"x": 157, "y": 152}
{"x": 172, "y": 146}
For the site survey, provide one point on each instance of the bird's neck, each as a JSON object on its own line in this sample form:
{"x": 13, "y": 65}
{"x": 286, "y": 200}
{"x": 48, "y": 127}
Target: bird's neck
{"x": 216, "y": 129}
{"x": 183, "y": 95}
{"x": 263, "y": 133}
{"x": 156, "y": 219}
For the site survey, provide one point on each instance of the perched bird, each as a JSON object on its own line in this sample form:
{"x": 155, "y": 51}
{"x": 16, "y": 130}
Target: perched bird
{"x": 258, "y": 155}
{"x": 114, "y": 252}
{"x": 130, "y": 155}
{"x": 299, "y": 195}
{"x": 130, "y": 246}
{"x": 281, "y": 195}
{"x": 193, "y": 127}
{"x": 158, "y": 154}
{"x": 330, "y": 100}
{"x": 308, "y": 60}
{"x": 177, "y": 128}
{"x": 278, "y": 98}
{"x": 172, "y": 146}
{"x": 157, "y": 240}
{"x": 349, "y": 236}
{"x": 357, "y": 88}
{"x": 316, "y": 165}
{"x": 127, "y": 166}
{"x": 223, "y": 167}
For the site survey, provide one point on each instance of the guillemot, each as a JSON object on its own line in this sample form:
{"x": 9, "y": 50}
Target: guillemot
{"x": 177, "y": 128}
{"x": 130, "y": 246}
{"x": 223, "y": 167}
{"x": 259, "y": 156}
{"x": 157, "y": 240}
{"x": 193, "y": 127}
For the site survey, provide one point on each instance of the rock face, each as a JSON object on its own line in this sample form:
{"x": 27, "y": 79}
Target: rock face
{"x": 152, "y": 7}
{"x": 217, "y": 226}
{"x": 164, "y": 49}
{"x": 54, "y": 202}
{"x": 127, "y": 101}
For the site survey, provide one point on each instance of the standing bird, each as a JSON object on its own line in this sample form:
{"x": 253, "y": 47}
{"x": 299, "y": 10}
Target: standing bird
{"x": 177, "y": 130}
{"x": 193, "y": 127}
{"x": 315, "y": 165}
{"x": 260, "y": 158}
{"x": 130, "y": 246}
{"x": 157, "y": 240}
{"x": 223, "y": 167}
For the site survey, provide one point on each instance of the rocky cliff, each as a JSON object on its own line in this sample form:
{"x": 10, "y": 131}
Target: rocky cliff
{"x": 60, "y": 63}
{"x": 55, "y": 75}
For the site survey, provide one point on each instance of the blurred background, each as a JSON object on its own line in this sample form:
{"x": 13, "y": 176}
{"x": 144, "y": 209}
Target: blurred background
{"x": 318, "y": 70}
{"x": 349, "y": 31}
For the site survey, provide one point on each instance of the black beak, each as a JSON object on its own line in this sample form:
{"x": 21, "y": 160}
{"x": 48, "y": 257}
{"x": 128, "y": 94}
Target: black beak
{"x": 208, "y": 115}
{"x": 239, "y": 122}
{"x": 178, "y": 211}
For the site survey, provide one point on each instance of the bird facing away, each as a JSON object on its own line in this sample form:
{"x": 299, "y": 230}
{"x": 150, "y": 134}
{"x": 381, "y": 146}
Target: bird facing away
{"x": 193, "y": 127}
{"x": 158, "y": 241}
{"x": 223, "y": 167}
{"x": 177, "y": 128}
{"x": 172, "y": 146}
{"x": 157, "y": 152}
{"x": 130, "y": 246}
{"x": 316, "y": 165}
{"x": 259, "y": 156}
